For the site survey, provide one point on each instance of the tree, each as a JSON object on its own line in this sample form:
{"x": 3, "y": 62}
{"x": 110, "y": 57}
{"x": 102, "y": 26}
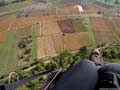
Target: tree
{"x": 23, "y": 87}
{"x": 21, "y": 44}
{"x": 84, "y": 52}
{"x": 65, "y": 59}
{"x": 107, "y": 53}
{"x": 22, "y": 74}
{"x": 113, "y": 53}
{"x": 116, "y": 2}
{"x": 53, "y": 64}
{"x": 34, "y": 85}
{"x": 39, "y": 67}
{"x": 27, "y": 51}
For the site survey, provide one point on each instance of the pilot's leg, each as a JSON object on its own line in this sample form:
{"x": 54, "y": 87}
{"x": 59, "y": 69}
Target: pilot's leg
{"x": 82, "y": 76}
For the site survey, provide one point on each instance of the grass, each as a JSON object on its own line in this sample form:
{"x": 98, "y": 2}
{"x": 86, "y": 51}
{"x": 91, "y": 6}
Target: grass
{"x": 78, "y": 26}
{"x": 34, "y": 41}
{"x": 15, "y": 6}
{"x": 55, "y": 3}
{"x": 110, "y": 2}
{"x": 6, "y": 0}
{"x": 89, "y": 28}
{"x": 7, "y": 53}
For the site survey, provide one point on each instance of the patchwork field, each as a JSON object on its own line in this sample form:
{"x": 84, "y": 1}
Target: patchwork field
{"x": 9, "y": 48}
{"x": 33, "y": 20}
{"x": 57, "y": 41}
{"x": 51, "y": 35}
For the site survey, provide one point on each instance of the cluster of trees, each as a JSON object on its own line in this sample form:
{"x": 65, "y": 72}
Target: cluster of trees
{"x": 3, "y": 3}
{"x": 24, "y": 48}
{"x": 112, "y": 53}
{"x": 63, "y": 60}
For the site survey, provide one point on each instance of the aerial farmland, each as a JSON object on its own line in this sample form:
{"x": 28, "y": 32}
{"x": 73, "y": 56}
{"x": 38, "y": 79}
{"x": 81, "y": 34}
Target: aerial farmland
{"x": 36, "y": 30}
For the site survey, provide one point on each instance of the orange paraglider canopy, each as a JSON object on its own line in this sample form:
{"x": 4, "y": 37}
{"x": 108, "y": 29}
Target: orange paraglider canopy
{"x": 79, "y": 7}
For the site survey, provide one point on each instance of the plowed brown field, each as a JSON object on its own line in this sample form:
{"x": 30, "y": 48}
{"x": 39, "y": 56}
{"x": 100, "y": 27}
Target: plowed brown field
{"x": 3, "y": 36}
{"x": 46, "y": 47}
{"x": 102, "y": 31}
{"x": 4, "y": 30}
{"x": 5, "y": 25}
{"x": 58, "y": 42}
{"x": 50, "y": 28}
{"x": 117, "y": 21}
{"x": 66, "y": 26}
{"x": 99, "y": 24}
{"x": 74, "y": 41}
{"x": 33, "y": 20}
{"x": 23, "y": 30}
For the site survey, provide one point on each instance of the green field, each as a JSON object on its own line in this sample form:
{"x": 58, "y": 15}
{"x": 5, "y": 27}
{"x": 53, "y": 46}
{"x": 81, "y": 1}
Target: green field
{"x": 110, "y": 2}
{"x": 6, "y": 0}
{"x": 15, "y": 6}
{"x": 34, "y": 42}
{"x": 7, "y": 54}
{"x": 78, "y": 25}
{"x": 89, "y": 28}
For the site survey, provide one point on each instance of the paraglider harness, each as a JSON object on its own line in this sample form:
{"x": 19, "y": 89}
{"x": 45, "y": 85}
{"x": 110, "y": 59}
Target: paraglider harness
{"x": 109, "y": 80}
{"x": 53, "y": 77}
{"x": 106, "y": 80}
